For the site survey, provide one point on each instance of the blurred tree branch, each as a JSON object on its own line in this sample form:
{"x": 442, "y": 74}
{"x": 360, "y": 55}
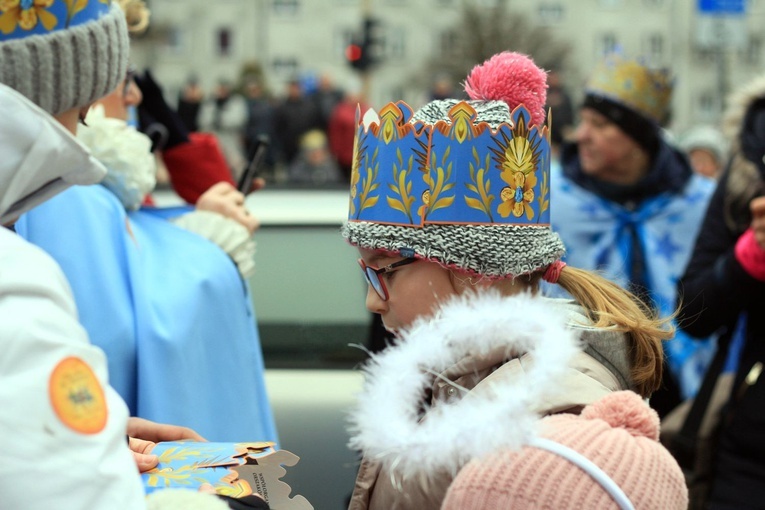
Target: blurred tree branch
{"x": 484, "y": 31}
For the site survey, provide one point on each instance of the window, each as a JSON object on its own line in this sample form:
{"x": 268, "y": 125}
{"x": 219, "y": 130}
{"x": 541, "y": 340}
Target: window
{"x": 224, "y": 40}
{"x": 393, "y": 44}
{"x": 653, "y": 48}
{"x": 753, "y": 54}
{"x": 551, "y": 14}
{"x": 285, "y": 66}
{"x": 709, "y": 106}
{"x": 606, "y": 44}
{"x": 704, "y": 55}
{"x": 448, "y": 43}
{"x": 286, "y": 7}
{"x": 174, "y": 41}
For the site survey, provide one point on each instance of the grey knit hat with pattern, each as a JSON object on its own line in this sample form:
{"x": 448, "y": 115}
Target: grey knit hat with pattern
{"x": 462, "y": 183}
{"x": 63, "y": 54}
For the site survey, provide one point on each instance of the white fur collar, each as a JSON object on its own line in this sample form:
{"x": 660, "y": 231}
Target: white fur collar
{"x": 386, "y": 424}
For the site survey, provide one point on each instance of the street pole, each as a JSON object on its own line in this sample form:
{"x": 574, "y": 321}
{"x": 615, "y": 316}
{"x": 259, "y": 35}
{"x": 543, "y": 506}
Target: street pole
{"x": 721, "y": 44}
{"x": 366, "y": 75}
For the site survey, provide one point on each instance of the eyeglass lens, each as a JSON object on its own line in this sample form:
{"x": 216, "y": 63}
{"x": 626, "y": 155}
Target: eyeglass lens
{"x": 374, "y": 280}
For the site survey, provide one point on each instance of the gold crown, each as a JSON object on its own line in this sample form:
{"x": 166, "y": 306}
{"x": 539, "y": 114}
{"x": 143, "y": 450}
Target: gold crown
{"x": 632, "y": 84}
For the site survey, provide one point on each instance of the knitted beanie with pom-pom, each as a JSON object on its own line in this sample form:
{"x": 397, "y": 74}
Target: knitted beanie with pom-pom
{"x": 618, "y": 433}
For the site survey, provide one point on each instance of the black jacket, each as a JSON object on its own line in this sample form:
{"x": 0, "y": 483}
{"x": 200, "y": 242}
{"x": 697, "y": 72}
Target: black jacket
{"x": 714, "y": 290}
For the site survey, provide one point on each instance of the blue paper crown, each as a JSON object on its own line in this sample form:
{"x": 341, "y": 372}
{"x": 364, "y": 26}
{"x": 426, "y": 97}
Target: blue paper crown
{"x": 458, "y": 172}
{"x": 22, "y": 18}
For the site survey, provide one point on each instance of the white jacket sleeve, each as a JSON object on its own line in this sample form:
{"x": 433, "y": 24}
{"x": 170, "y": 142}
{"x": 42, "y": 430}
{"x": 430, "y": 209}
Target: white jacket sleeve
{"x": 62, "y": 429}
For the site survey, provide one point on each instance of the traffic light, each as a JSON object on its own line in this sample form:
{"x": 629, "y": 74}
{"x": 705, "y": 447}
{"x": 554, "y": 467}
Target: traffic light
{"x": 357, "y": 55}
{"x": 362, "y": 51}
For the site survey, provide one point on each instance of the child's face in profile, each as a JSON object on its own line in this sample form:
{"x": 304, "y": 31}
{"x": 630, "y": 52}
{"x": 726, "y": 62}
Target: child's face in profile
{"x": 413, "y": 289}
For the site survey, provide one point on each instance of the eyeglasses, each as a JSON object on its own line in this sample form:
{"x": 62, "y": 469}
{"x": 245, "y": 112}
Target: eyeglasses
{"x": 372, "y": 274}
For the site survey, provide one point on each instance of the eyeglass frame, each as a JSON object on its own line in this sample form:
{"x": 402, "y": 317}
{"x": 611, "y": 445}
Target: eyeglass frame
{"x": 383, "y": 270}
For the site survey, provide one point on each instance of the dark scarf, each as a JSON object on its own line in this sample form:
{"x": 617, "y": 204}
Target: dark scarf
{"x": 669, "y": 173}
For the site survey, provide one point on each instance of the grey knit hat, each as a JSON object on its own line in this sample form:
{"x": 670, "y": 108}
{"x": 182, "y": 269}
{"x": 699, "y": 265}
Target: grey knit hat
{"x": 463, "y": 183}
{"x": 63, "y": 54}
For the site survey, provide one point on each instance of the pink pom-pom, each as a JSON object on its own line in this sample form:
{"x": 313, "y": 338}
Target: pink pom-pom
{"x": 513, "y": 78}
{"x": 626, "y": 410}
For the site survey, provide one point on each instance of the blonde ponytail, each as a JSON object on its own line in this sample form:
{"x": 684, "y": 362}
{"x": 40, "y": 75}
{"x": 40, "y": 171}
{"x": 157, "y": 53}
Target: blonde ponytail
{"x": 611, "y": 306}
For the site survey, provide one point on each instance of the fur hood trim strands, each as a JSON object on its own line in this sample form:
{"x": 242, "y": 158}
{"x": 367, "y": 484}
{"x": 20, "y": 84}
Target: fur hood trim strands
{"x": 389, "y": 423}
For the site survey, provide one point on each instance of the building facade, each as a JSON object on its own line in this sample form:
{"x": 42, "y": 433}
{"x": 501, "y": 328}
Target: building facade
{"x": 709, "y": 53}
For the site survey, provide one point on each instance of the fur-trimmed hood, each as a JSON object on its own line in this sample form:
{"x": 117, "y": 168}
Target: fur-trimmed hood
{"x": 738, "y": 104}
{"x": 389, "y": 423}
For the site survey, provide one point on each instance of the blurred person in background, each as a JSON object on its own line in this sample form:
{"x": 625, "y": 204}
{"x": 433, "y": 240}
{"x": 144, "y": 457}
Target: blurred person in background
{"x": 562, "y": 111}
{"x": 260, "y": 123}
{"x": 707, "y": 150}
{"x": 443, "y": 88}
{"x": 194, "y": 161}
{"x": 342, "y": 128}
{"x": 326, "y": 96}
{"x": 190, "y": 102}
{"x": 225, "y": 115}
{"x": 630, "y": 205}
{"x": 295, "y": 115}
{"x": 723, "y": 285}
{"x": 315, "y": 165}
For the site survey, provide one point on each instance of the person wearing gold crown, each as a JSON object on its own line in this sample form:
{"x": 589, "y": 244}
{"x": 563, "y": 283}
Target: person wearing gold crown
{"x": 454, "y": 199}
{"x": 629, "y": 205}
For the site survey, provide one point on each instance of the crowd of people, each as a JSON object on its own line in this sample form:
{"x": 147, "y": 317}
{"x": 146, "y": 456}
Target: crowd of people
{"x": 308, "y": 126}
{"x": 548, "y": 300}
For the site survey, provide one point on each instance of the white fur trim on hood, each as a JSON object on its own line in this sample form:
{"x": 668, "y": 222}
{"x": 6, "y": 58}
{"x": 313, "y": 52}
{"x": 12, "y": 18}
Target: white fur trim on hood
{"x": 387, "y": 423}
{"x": 738, "y": 104}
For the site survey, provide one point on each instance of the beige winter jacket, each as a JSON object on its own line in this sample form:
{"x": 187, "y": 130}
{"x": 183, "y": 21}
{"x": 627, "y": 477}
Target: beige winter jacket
{"x": 601, "y": 368}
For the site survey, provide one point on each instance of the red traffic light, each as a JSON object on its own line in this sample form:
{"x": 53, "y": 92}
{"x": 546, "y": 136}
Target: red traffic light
{"x": 353, "y": 52}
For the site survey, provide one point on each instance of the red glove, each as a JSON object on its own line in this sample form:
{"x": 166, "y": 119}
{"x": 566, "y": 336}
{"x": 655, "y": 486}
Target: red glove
{"x": 197, "y": 165}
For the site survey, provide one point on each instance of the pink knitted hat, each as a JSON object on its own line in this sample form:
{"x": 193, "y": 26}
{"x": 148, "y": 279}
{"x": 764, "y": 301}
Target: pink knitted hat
{"x": 588, "y": 461}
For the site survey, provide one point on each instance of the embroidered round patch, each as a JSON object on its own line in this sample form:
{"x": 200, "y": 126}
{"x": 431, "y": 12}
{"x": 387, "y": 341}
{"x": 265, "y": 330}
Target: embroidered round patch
{"x": 77, "y": 396}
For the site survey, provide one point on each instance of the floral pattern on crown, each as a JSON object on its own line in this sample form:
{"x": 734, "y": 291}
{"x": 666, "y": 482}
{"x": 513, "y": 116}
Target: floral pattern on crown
{"x": 21, "y": 18}
{"x": 450, "y": 172}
